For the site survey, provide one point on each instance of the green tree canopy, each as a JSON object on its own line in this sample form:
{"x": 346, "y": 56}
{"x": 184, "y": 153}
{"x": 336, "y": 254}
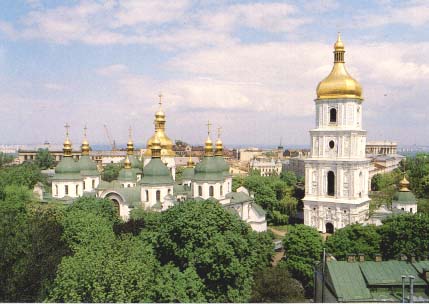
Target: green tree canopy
{"x": 405, "y": 234}
{"x": 26, "y": 175}
{"x": 303, "y": 248}
{"x": 44, "y": 159}
{"x": 355, "y": 239}
{"x": 5, "y": 159}
{"x": 110, "y": 172}
{"x": 275, "y": 284}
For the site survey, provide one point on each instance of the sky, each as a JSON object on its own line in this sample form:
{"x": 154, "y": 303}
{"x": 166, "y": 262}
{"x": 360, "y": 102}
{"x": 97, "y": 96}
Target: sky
{"x": 250, "y": 67}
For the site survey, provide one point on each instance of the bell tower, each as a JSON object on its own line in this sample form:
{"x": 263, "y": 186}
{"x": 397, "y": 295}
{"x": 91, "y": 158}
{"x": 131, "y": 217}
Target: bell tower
{"x": 337, "y": 171}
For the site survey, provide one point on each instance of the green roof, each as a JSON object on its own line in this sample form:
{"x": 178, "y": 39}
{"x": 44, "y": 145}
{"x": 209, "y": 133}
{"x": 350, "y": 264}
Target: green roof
{"x": 238, "y": 197}
{"x": 156, "y": 172}
{"x": 347, "y": 280}
{"x": 132, "y": 196}
{"x": 87, "y": 166}
{"x": 135, "y": 163}
{"x": 66, "y": 176}
{"x": 181, "y": 189}
{"x": 67, "y": 165}
{"x": 129, "y": 175}
{"x": 259, "y": 210}
{"x": 188, "y": 173}
{"x": 208, "y": 170}
{"x": 404, "y": 197}
{"x": 388, "y": 272}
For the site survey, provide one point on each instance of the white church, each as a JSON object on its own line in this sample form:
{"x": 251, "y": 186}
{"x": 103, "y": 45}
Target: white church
{"x": 151, "y": 183}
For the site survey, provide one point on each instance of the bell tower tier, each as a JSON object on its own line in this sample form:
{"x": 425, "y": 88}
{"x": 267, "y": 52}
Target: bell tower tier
{"x": 337, "y": 171}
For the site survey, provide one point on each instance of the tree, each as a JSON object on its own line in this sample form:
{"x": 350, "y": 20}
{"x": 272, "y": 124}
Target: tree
{"x": 356, "y": 239}
{"x": 405, "y": 234}
{"x": 44, "y": 159}
{"x": 5, "y": 159}
{"x": 110, "y": 172}
{"x": 303, "y": 248}
{"x": 203, "y": 235}
{"x": 26, "y": 175}
{"x": 275, "y": 284}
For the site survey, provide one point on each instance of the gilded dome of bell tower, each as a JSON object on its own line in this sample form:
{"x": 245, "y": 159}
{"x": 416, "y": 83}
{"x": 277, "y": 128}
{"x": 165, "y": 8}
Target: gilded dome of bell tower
{"x": 339, "y": 83}
{"x": 166, "y": 142}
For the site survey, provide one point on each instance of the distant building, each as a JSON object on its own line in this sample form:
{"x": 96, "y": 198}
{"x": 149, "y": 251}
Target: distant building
{"x": 245, "y": 155}
{"x": 359, "y": 280}
{"x": 381, "y": 147}
{"x": 267, "y": 166}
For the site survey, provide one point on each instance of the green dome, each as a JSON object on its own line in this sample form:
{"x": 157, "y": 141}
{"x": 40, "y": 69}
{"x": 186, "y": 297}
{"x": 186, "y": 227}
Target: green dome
{"x": 87, "y": 166}
{"x": 223, "y": 165}
{"x": 188, "y": 173}
{"x": 135, "y": 163}
{"x": 67, "y": 165}
{"x": 156, "y": 172}
{"x": 209, "y": 169}
{"x": 127, "y": 175}
{"x": 404, "y": 197}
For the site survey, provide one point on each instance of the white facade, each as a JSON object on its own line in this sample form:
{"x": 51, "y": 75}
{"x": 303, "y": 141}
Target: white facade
{"x": 337, "y": 171}
{"x": 266, "y": 166}
{"x": 150, "y": 195}
{"x": 69, "y": 188}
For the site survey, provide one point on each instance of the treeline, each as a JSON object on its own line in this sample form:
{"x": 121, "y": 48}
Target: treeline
{"x": 405, "y": 234}
{"x": 278, "y": 195}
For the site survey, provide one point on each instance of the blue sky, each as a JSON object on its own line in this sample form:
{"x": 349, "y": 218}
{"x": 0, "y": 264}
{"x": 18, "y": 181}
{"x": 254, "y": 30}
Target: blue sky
{"x": 250, "y": 67}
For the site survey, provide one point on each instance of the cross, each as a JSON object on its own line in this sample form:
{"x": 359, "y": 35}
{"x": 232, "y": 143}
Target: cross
{"x": 208, "y": 127}
{"x": 219, "y": 131}
{"x": 67, "y": 126}
{"x": 129, "y": 132}
{"x": 160, "y": 99}
{"x": 84, "y": 131}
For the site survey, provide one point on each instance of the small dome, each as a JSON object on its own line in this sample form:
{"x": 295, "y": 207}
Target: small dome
{"x": 339, "y": 83}
{"x": 156, "y": 172}
{"x": 86, "y": 164}
{"x": 67, "y": 165}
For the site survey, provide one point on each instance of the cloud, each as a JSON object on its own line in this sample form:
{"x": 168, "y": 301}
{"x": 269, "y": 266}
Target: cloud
{"x": 112, "y": 70}
{"x": 53, "y": 86}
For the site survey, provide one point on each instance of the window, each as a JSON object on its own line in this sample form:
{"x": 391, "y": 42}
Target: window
{"x": 93, "y": 183}
{"x": 77, "y": 189}
{"x": 56, "y": 190}
{"x": 158, "y": 196}
{"x": 331, "y": 183}
{"x": 411, "y": 210}
{"x": 200, "y": 191}
{"x": 169, "y": 191}
{"x": 147, "y": 196}
{"x": 129, "y": 185}
{"x": 331, "y": 144}
{"x": 211, "y": 191}
{"x": 83, "y": 185}
{"x": 333, "y": 115}
{"x": 221, "y": 190}
{"x": 66, "y": 189}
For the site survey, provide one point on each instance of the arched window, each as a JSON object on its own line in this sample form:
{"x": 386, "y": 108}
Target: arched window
{"x": 221, "y": 190}
{"x": 331, "y": 183}
{"x": 333, "y": 115}
{"x": 77, "y": 189}
{"x": 83, "y": 185}
{"x": 93, "y": 183}
{"x": 147, "y": 196}
{"x": 211, "y": 191}
{"x": 66, "y": 189}
{"x": 56, "y": 190}
{"x": 329, "y": 228}
{"x": 158, "y": 196}
{"x": 200, "y": 191}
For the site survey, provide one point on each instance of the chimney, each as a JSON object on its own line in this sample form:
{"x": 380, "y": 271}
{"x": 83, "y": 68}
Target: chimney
{"x": 351, "y": 258}
{"x": 361, "y": 257}
{"x": 378, "y": 257}
{"x": 425, "y": 274}
{"x": 403, "y": 257}
{"x": 412, "y": 258}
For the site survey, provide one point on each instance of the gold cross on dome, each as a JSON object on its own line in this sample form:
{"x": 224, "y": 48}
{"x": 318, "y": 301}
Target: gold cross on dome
{"x": 67, "y": 126}
{"x": 160, "y": 99}
{"x": 208, "y": 127}
{"x": 84, "y": 131}
{"x": 129, "y": 132}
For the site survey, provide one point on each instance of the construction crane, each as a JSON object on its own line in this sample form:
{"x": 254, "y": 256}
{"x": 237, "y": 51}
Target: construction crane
{"x": 109, "y": 138}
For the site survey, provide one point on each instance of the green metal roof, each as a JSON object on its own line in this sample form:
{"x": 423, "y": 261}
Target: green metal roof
{"x": 87, "y": 166}
{"x": 181, "y": 189}
{"x": 135, "y": 163}
{"x": 259, "y": 210}
{"x": 66, "y": 176}
{"x": 238, "y": 197}
{"x": 404, "y": 197}
{"x": 420, "y": 265}
{"x": 388, "y": 272}
{"x": 208, "y": 170}
{"x": 347, "y": 280}
{"x": 128, "y": 175}
{"x": 67, "y": 165}
{"x": 188, "y": 173}
{"x": 156, "y": 172}
{"x": 132, "y": 196}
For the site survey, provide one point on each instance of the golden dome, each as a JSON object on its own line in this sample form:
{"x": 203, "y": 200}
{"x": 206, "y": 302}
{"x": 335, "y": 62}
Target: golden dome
{"x": 190, "y": 163}
{"x": 208, "y": 147}
{"x": 403, "y": 185}
{"x": 67, "y": 146}
{"x": 165, "y": 141}
{"x": 85, "y": 144}
{"x": 156, "y": 147}
{"x": 339, "y": 83}
{"x": 219, "y": 144}
{"x": 130, "y": 143}
{"x": 127, "y": 163}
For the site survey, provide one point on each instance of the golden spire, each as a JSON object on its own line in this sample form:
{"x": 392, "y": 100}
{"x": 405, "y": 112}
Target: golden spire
{"x": 339, "y": 84}
{"x": 160, "y": 115}
{"x": 219, "y": 144}
{"x": 67, "y": 148}
{"x": 404, "y": 184}
{"x": 127, "y": 163}
{"x": 156, "y": 147}
{"x": 130, "y": 144}
{"x": 85, "y": 145}
{"x": 190, "y": 163}
{"x": 208, "y": 148}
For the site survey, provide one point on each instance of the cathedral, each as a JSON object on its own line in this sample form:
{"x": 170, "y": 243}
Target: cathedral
{"x": 337, "y": 171}
{"x": 151, "y": 182}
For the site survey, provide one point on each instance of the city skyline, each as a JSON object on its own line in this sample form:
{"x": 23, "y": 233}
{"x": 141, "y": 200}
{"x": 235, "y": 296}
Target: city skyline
{"x": 250, "y": 67}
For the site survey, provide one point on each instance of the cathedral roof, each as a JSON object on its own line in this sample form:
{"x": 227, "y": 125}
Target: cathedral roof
{"x": 156, "y": 172}
{"x": 404, "y": 195}
{"x": 339, "y": 83}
